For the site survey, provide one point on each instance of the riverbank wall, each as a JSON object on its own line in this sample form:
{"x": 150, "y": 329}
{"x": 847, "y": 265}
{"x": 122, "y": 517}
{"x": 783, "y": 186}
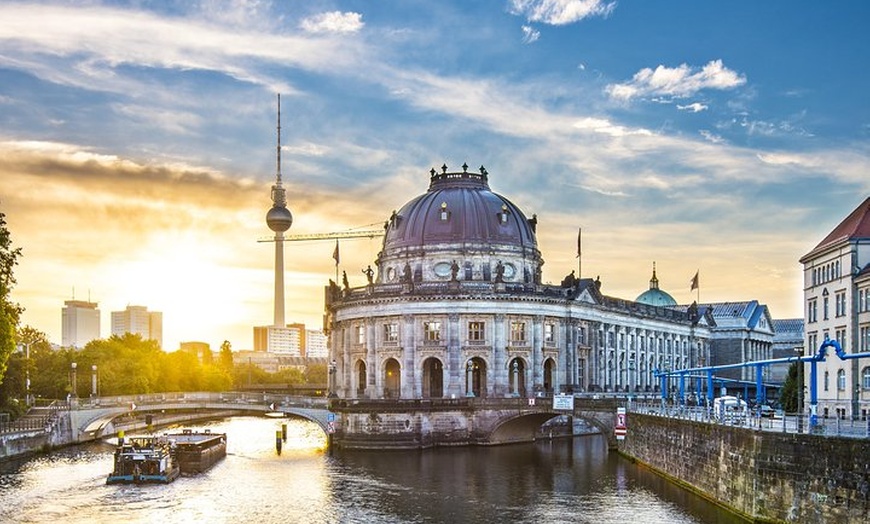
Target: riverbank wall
{"x": 763, "y": 476}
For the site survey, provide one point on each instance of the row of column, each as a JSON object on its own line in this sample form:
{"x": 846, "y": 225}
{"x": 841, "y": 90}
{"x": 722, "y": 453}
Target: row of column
{"x": 455, "y": 356}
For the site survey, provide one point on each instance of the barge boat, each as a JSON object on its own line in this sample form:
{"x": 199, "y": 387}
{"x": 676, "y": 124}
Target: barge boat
{"x": 144, "y": 460}
{"x": 161, "y": 459}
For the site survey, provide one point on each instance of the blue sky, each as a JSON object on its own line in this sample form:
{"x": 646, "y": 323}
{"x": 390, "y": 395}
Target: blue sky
{"x": 137, "y": 142}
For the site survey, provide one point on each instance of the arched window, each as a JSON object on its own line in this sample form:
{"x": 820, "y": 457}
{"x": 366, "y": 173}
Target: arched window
{"x": 841, "y": 380}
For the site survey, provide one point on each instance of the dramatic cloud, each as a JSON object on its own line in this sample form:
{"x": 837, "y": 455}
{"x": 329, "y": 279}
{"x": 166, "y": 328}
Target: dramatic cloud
{"x": 681, "y": 81}
{"x": 333, "y": 22}
{"x": 560, "y": 12}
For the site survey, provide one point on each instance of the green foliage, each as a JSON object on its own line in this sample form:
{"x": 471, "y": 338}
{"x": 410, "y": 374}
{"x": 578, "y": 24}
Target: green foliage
{"x": 129, "y": 365}
{"x": 789, "y": 394}
{"x": 10, "y": 312}
{"x": 226, "y": 356}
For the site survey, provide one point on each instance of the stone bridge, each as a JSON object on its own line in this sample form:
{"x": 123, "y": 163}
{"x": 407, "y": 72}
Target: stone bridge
{"x": 99, "y": 417}
{"x": 410, "y": 424}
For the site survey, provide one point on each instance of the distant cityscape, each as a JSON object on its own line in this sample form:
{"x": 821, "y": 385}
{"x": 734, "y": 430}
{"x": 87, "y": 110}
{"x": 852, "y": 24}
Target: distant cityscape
{"x": 272, "y": 345}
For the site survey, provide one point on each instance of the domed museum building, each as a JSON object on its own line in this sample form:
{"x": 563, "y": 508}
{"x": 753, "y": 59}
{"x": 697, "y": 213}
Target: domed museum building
{"x": 456, "y": 307}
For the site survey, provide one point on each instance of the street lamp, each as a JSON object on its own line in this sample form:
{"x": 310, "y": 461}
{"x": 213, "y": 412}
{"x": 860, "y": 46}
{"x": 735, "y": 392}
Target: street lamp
{"x": 25, "y": 347}
{"x": 94, "y": 380}
{"x": 74, "y": 393}
{"x": 800, "y": 421}
{"x": 332, "y": 379}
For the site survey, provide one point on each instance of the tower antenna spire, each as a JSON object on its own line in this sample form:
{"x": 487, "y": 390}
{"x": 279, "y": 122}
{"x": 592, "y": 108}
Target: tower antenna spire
{"x": 278, "y": 152}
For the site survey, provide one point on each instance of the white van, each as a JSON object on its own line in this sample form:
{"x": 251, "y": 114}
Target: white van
{"x": 730, "y": 410}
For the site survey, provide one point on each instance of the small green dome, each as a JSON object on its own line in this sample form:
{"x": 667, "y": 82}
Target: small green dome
{"x": 655, "y": 296}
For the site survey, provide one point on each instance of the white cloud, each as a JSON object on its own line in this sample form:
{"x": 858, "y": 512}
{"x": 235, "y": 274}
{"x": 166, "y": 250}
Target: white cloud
{"x": 560, "y": 12}
{"x": 695, "y": 107}
{"x": 333, "y": 22}
{"x": 530, "y": 34}
{"x": 681, "y": 81}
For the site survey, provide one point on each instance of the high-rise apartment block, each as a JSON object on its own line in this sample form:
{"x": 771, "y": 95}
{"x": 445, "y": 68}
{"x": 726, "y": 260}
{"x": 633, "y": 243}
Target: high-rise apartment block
{"x": 139, "y": 321}
{"x": 286, "y": 340}
{"x": 80, "y": 323}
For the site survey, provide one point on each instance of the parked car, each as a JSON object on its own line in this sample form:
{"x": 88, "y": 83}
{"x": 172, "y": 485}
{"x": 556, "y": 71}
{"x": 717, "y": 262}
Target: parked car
{"x": 766, "y": 411}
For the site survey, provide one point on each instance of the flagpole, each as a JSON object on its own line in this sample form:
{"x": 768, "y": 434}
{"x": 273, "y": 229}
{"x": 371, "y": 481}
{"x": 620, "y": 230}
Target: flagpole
{"x": 336, "y": 256}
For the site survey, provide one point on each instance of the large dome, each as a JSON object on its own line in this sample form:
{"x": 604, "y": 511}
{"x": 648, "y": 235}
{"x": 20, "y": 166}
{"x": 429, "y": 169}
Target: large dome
{"x": 459, "y": 207}
{"x": 460, "y": 221}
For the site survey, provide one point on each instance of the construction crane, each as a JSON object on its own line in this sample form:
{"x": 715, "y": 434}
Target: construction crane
{"x": 372, "y": 233}
{"x": 362, "y": 233}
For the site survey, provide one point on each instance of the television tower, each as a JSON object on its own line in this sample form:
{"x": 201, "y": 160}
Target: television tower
{"x": 279, "y": 219}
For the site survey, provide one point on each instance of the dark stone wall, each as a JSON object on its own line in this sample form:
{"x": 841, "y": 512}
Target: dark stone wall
{"x": 765, "y": 476}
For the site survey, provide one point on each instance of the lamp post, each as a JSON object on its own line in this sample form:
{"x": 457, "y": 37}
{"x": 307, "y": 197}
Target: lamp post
{"x": 800, "y": 400}
{"x": 94, "y": 380}
{"x": 25, "y": 347}
{"x": 469, "y": 379}
{"x": 332, "y": 368}
{"x": 515, "y": 370}
{"x": 73, "y": 393}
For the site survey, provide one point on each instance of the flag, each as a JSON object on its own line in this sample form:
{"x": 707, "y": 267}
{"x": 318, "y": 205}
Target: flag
{"x": 695, "y": 281}
{"x": 335, "y": 253}
{"x": 579, "y": 240}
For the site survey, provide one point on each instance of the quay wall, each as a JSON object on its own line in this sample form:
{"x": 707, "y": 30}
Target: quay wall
{"x": 763, "y": 476}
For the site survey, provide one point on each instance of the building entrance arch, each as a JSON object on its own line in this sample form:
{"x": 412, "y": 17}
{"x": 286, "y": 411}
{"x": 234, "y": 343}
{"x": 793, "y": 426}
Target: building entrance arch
{"x": 361, "y": 378}
{"x": 392, "y": 378}
{"x": 549, "y": 371}
{"x": 433, "y": 378}
{"x": 517, "y": 377}
{"x": 475, "y": 378}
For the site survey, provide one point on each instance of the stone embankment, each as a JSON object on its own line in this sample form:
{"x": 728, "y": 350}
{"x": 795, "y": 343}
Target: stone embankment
{"x": 761, "y": 475}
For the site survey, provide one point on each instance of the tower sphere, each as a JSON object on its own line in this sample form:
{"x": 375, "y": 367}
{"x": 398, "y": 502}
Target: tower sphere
{"x": 279, "y": 219}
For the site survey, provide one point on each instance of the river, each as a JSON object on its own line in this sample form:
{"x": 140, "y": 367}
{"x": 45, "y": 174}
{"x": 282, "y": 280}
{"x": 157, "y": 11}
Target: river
{"x": 564, "y": 480}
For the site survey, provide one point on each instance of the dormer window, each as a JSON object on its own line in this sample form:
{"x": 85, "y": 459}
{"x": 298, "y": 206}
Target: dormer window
{"x": 503, "y": 215}
{"x": 444, "y": 213}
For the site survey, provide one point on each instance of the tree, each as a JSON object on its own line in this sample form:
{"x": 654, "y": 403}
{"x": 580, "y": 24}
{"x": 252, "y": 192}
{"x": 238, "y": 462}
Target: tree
{"x": 10, "y": 312}
{"x": 226, "y": 356}
{"x": 790, "y": 389}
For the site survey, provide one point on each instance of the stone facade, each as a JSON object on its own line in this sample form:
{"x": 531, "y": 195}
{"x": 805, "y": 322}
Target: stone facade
{"x": 456, "y": 308}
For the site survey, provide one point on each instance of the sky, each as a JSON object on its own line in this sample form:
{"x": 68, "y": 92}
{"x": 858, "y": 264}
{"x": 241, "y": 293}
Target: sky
{"x": 138, "y": 142}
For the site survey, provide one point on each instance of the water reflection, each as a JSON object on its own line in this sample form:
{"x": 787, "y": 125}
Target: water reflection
{"x": 558, "y": 481}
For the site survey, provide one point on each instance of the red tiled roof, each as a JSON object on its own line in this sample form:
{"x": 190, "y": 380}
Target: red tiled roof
{"x": 856, "y": 225}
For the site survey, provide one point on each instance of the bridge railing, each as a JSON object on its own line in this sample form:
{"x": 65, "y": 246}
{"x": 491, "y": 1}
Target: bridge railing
{"x": 783, "y": 423}
{"x": 199, "y": 397}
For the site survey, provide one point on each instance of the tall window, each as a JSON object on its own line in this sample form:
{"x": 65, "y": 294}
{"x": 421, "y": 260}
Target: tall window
{"x": 865, "y": 378}
{"x": 550, "y": 333}
{"x": 391, "y": 333}
{"x": 518, "y": 332}
{"x": 826, "y": 384}
{"x": 864, "y": 340}
{"x": 825, "y": 308}
{"x": 360, "y": 334}
{"x": 432, "y": 331}
{"x": 840, "y": 336}
{"x": 476, "y": 332}
{"x": 812, "y": 310}
{"x": 840, "y": 299}
{"x": 841, "y": 380}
